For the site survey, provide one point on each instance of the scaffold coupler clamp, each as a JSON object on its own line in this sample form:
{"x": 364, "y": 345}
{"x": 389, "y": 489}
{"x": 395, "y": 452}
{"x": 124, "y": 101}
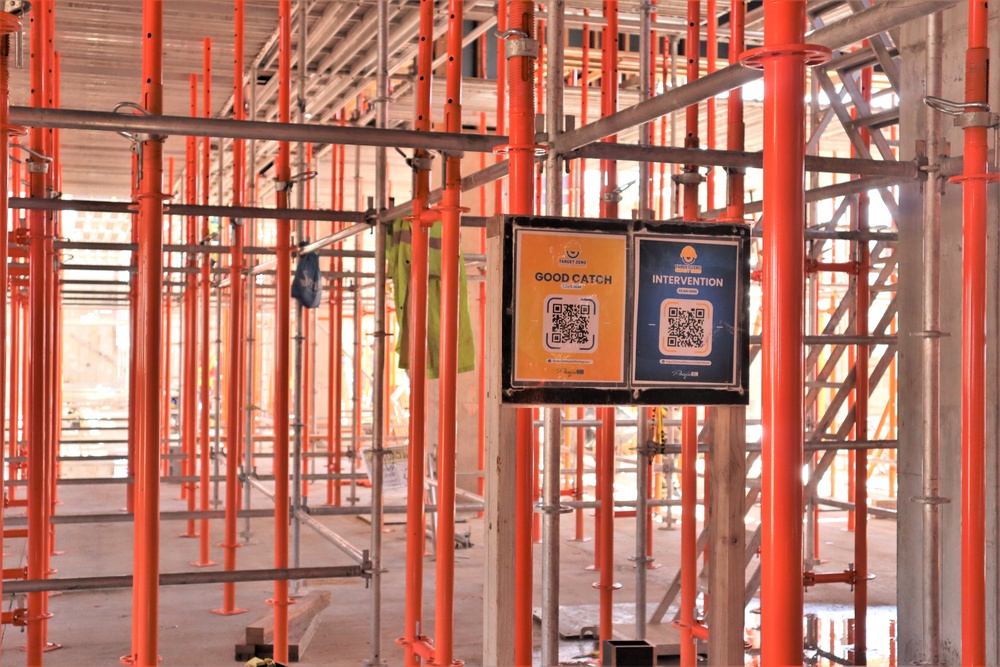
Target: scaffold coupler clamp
{"x": 558, "y": 508}
{"x": 688, "y": 176}
{"x": 652, "y": 448}
{"x": 615, "y": 196}
{"x": 421, "y": 161}
{"x": 518, "y": 44}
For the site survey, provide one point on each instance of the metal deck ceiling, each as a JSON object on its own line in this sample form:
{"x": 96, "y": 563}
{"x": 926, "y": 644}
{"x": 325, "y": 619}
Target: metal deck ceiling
{"x": 100, "y": 57}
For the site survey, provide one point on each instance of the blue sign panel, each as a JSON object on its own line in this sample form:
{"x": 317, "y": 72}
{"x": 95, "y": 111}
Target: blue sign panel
{"x": 687, "y": 311}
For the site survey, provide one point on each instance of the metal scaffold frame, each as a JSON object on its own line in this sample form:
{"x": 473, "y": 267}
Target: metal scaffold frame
{"x": 825, "y": 344}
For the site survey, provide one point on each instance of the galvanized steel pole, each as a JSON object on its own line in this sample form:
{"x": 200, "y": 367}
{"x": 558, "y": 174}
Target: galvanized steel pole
{"x": 378, "y": 370}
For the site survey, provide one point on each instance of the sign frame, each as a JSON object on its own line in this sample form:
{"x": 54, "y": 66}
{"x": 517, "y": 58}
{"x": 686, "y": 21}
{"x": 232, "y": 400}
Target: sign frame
{"x": 627, "y": 393}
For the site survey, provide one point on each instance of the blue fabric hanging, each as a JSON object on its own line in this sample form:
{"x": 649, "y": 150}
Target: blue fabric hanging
{"x": 307, "y": 288}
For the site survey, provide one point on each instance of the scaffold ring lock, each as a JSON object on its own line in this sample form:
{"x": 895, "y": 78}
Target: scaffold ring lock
{"x": 814, "y": 54}
{"x": 538, "y": 149}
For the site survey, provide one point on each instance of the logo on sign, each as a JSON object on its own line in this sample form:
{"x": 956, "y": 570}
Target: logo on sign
{"x": 571, "y": 255}
{"x": 688, "y": 257}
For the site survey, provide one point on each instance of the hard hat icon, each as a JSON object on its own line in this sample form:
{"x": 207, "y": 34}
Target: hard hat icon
{"x": 688, "y": 254}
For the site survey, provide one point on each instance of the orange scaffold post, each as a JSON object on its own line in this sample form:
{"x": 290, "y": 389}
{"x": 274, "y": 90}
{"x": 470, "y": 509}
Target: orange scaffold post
{"x": 38, "y": 390}
{"x": 204, "y": 301}
{"x": 282, "y": 310}
{"x": 335, "y": 359}
{"x": 691, "y": 180}
{"x": 974, "y": 180}
{"x": 784, "y": 58}
{"x": 8, "y": 24}
{"x": 520, "y": 73}
{"x": 451, "y": 212}
{"x": 414, "y": 643}
{"x": 150, "y": 277}
{"x": 189, "y": 394}
{"x": 234, "y": 388}
{"x": 604, "y": 538}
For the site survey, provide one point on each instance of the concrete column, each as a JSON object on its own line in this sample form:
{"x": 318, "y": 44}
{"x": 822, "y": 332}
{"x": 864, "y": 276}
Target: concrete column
{"x": 913, "y": 647}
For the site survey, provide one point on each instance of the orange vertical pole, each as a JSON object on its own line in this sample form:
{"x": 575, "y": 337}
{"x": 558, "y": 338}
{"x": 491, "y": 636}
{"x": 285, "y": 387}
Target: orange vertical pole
{"x": 447, "y": 423}
{"x": 578, "y": 483}
{"x": 282, "y": 311}
{"x": 189, "y": 393}
{"x": 536, "y": 446}
{"x": 501, "y": 108}
{"x": 735, "y": 127}
{"x": 55, "y": 184}
{"x": 606, "y": 543}
{"x": 14, "y": 380}
{"x": 133, "y": 323}
{"x": 598, "y": 473}
{"x": 712, "y": 55}
{"x": 540, "y": 109}
{"x": 689, "y": 533}
{"x": 167, "y": 336}
{"x": 861, "y": 415}
{"x": 38, "y": 488}
{"x": 604, "y": 539}
{"x": 307, "y": 351}
{"x": 235, "y": 388}
{"x": 338, "y": 441}
{"x": 584, "y": 94}
{"x": 520, "y": 201}
{"x": 150, "y": 278}
{"x": 974, "y": 179}
{"x": 335, "y": 366}
{"x": 481, "y": 343}
{"x": 784, "y": 61}
{"x": 689, "y": 414}
{"x": 416, "y": 535}
{"x": 8, "y": 24}
{"x": 204, "y": 552}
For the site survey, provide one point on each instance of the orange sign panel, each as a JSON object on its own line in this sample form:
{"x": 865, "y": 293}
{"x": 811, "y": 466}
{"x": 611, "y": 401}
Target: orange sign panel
{"x": 569, "y": 322}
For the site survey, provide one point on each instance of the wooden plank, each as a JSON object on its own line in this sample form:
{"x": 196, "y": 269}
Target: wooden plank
{"x": 303, "y": 642}
{"x": 727, "y": 536}
{"x": 501, "y": 447}
{"x": 300, "y": 614}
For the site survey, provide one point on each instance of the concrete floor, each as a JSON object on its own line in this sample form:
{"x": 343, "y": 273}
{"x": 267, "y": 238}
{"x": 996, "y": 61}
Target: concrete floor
{"x": 94, "y": 626}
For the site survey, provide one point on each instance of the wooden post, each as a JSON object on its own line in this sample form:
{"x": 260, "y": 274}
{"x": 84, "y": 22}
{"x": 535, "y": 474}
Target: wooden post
{"x": 501, "y": 446}
{"x": 727, "y": 536}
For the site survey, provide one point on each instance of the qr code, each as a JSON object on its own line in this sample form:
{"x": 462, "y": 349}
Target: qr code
{"x": 570, "y": 323}
{"x": 686, "y": 327}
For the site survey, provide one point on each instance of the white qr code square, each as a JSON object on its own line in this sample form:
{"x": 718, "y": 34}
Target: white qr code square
{"x": 686, "y": 328}
{"x": 570, "y": 323}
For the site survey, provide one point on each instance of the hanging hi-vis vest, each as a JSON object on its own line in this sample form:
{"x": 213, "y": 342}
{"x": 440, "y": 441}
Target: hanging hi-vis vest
{"x": 399, "y": 249}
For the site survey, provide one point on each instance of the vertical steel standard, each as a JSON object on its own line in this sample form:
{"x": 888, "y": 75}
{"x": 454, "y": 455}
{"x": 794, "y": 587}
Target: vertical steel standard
{"x": 282, "y": 310}
{"x": 447, "y": 421}
{"x": 974, "y": 242}
{"x": 378, "y": 371}
{"x": 150, "y": 277}
{"x": 691, "y": 179}
{"x": 551, "y": 509}
{"x": 784, "y": 58}
{"x": 415, "y": 519}
{"x": 8, "y": 24}
{"x": 204, "y": 299}
{"x": 234, "y": 388}
{"x": 930, "y": 390}
{"x": 36, "y": 426}
{"x": 521, "y": 151}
